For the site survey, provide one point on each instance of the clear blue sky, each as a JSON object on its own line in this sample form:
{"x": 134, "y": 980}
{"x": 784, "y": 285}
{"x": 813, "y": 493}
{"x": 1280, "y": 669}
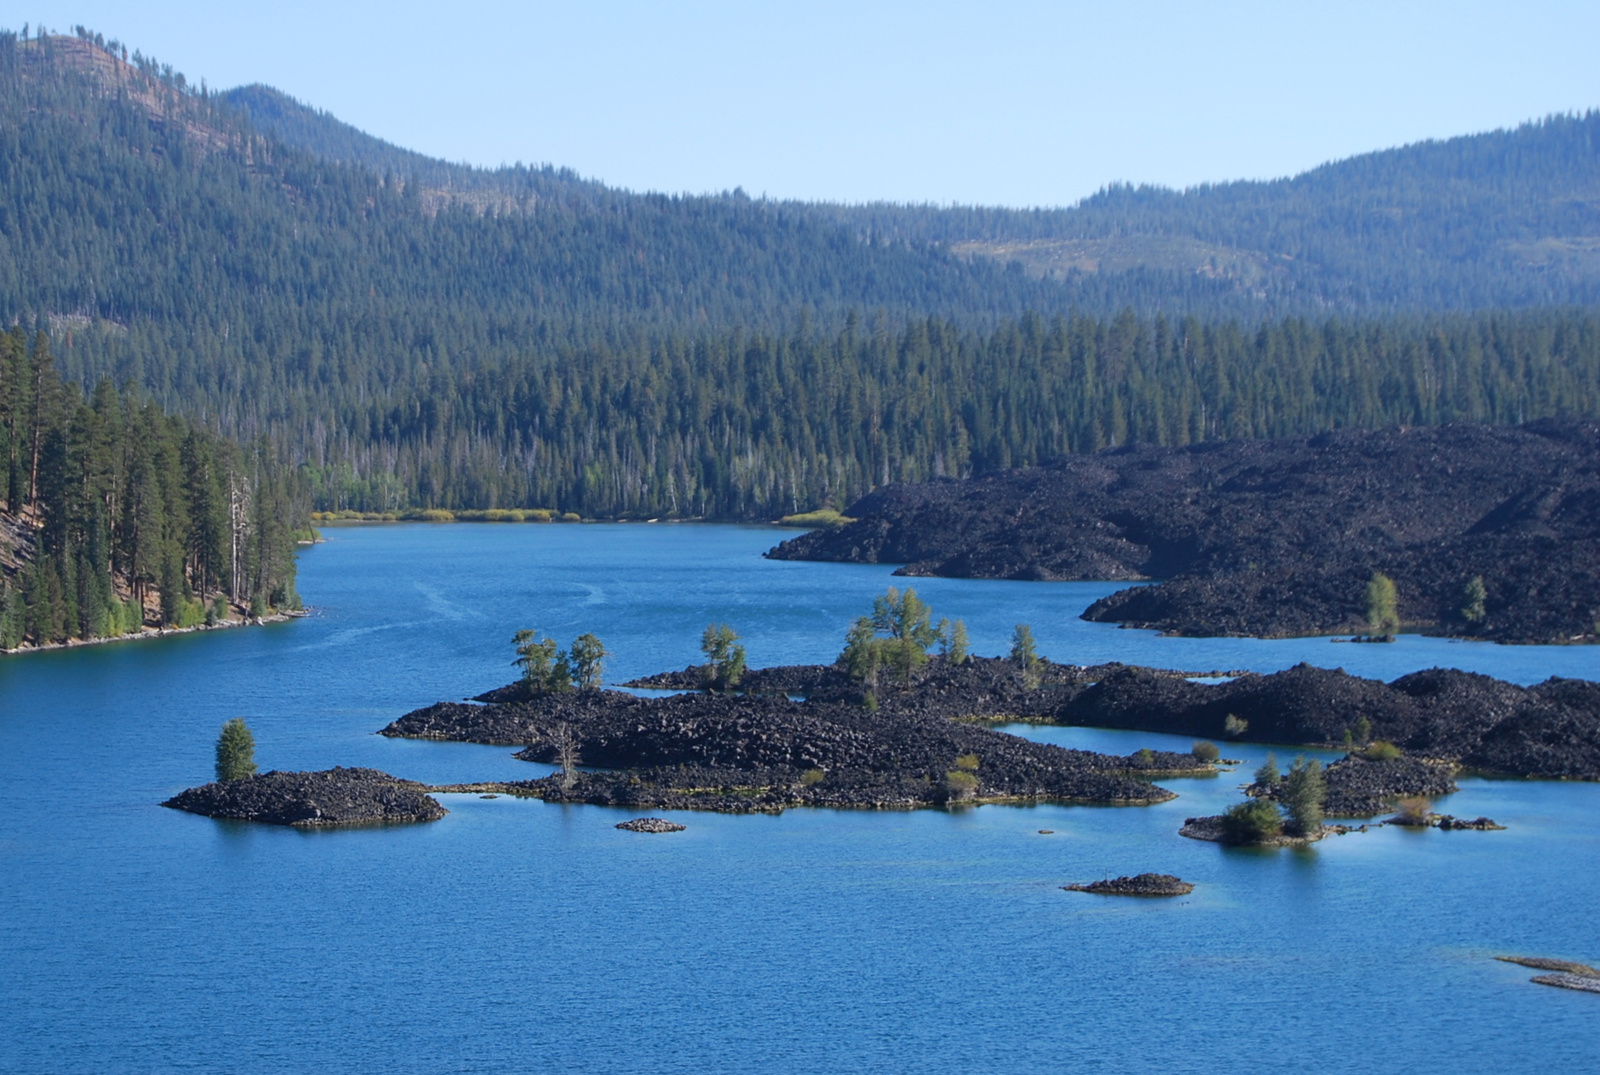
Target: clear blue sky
{"x": 992, "y": 103}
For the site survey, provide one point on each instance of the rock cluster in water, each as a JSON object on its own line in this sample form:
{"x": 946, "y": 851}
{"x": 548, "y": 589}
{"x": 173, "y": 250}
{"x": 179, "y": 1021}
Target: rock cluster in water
{"x": 1275, "y": 538}
{"x": 651, "y": 824}
{"x": 330, "y": 798}
{"x": 1565, "y": 974}
{"x": 1144, "y": 884}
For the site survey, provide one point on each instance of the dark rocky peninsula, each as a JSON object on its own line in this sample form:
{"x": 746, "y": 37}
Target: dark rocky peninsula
{"x": 766, "y": 752}
{"x": 1275, "y": 538}
{"x": 1144, "y": 884}
{"x": 328, "y": 799}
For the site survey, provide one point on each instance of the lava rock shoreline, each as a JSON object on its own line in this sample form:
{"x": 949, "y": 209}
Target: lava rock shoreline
{"x": 331, "y": 798}
{"x": 1274, "y": 538}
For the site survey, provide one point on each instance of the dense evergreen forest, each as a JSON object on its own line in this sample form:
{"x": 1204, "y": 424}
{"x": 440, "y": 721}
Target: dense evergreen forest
{"x": 410, "y": 333}
{"x": 755, "y": 426}
{"x": 117, "y": 515}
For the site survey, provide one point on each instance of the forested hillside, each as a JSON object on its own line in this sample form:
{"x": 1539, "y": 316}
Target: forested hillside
{"x": 116, "y": 515}
{"x": 1505, "y": 218}
{"x": 419, "y": 334}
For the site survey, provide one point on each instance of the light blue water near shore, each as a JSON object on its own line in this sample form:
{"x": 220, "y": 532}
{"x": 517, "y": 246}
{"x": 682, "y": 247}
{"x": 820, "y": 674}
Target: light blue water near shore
{"x": 515, "y": 936}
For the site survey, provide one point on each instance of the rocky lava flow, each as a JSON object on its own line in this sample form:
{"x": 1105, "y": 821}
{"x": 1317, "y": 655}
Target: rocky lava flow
{"x": 742, "y": 753}
{"x": 1274, "y": 538}
{"x": 1549, "y": 730}
{"x": 333, "y": 797}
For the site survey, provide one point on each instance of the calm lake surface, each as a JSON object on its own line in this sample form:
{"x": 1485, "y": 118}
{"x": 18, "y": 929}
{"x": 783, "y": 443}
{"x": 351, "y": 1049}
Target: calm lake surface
{"x": 516, "y": 936}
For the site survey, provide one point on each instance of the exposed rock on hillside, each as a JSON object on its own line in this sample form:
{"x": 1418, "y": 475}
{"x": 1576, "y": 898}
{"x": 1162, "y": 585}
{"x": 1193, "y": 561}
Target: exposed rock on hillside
{"x": 1275, "y": 538}
{"x": 333, "y": 797}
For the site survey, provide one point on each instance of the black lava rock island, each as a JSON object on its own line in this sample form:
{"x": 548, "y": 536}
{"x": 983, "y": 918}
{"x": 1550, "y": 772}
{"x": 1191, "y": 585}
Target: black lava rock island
{"x": 763, "y": 752}
{"x": 1144, "y": 884}
{"x": 336, "y": 797}
{"x": 1275, "y": 537}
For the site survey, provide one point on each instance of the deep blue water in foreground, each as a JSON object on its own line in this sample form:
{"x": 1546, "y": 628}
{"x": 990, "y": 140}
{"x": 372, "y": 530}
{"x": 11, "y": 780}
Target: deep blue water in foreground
{"x": 515, "y": 936}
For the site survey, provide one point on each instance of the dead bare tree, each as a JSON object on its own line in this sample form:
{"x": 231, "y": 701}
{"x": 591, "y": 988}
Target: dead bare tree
{"x": 566, "y": 743}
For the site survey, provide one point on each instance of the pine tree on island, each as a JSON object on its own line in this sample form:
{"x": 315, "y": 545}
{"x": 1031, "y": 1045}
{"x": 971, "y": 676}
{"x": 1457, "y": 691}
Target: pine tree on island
{"x": 236, "y": 751}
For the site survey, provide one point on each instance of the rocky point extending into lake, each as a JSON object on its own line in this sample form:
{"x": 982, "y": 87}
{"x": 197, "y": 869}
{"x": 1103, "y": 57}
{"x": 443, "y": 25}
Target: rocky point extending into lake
{"x": 332, "y": 798}
{"x": 1275, "y": 537}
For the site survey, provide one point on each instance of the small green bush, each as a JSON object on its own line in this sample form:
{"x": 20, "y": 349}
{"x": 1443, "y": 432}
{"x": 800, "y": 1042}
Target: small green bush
{"x": 969, "y": 762}
{"x": 1233, "y": 727}
{"x": 812, "y": 777}
{"x": 1144, "y": 756}
{"x": 1205, "y": 750}
{"x": 1415, "y": 810}
{"x": 1251, "y": 822}
{"x": 1268, "y": 774}
{"x": 960, "y": 784}
{"x": 1381, "y": 750}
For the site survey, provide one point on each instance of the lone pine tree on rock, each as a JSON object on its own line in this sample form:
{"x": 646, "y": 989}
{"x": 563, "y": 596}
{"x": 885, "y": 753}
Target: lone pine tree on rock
{"x": 236, "y": 751}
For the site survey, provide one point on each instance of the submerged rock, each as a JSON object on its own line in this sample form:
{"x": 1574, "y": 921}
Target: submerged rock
{"x": 1144, "y": 884}
{"x": 651, "y": 824}
{"x": 327, "y": 799}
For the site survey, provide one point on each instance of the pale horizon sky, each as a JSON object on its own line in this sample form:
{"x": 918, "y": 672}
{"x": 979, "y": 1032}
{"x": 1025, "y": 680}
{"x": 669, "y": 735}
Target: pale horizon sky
{"x": 1016, "y": 104}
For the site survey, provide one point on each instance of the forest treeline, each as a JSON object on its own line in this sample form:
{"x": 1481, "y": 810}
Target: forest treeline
{"x": 746, "y": 426}
{"x": 117, "y": 515}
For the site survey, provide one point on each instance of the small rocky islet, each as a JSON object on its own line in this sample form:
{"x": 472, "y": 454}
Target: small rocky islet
{"x": 1143, "y": 885}
{"x": 332, "y": 798}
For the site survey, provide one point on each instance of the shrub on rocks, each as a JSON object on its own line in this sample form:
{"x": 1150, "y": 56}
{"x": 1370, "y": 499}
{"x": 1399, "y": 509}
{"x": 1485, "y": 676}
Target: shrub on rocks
{"x": 1206, "y": 751}
{"x": 1251, "y": 822}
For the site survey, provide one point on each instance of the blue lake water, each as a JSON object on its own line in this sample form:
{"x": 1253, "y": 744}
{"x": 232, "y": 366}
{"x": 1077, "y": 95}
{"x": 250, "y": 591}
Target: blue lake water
{"x": 516, "y": 936}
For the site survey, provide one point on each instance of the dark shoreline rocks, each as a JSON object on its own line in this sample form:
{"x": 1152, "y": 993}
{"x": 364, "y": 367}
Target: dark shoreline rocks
{"x": 1550, "y": 730}
{"x": 1144, "y": 884}
{"x": 1274, "y": 538}
{"x": 332, "y": 798}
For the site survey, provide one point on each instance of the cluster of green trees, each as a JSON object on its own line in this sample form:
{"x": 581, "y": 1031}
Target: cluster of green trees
{"x": 897, "y": 637}
{"x": 1295, "y": 806}
{"x": 546, "y": 668}
{"x": 725, "y": 660}
{"x": 116, "y": 514}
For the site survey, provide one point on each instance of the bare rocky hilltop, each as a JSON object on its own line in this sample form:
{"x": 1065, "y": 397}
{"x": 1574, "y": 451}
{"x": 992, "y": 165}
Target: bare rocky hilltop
{"x": 1274, "y": 538}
